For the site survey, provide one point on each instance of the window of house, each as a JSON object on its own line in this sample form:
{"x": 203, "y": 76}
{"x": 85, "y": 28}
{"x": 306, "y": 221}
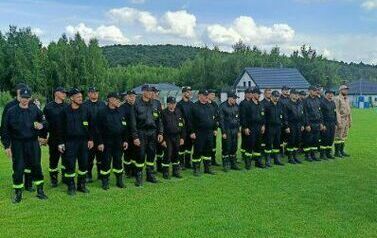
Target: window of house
{"x": 249, "y": 83}
{"x": 244, "y": 84}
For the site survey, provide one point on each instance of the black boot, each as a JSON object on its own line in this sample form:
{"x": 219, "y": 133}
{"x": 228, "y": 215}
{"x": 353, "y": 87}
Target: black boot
{"x": 297, "y": 160}
{"x": 226, "y": 163}
{"x": 81, "y": 184}
{"x": 277, "y": 161}
{"x": 207, "y": 167}
{"x": 99, "y": 171}
{"x": 307, "y": 156}
{"x": 150, "y": 175}
{"x": 213, "y": 160}
{"x": 28, "y": 184}
{"x": 54, "y": 179}
{"x": 105, "y": 182}
{"x": 196, "y": 168}
{"x": 290, "y": 158}
{"x": 40, "y": 193}
{"x": 176, "y": 171}
{"x": 329, "y": 153}
{"x": 89, "y": 177}
{"x": 64, "y": 179}
{"x": 187, "y": 161}
{"x": 337, "y": 151}
{"x": 233, "y": 162}
{"x": 159, "y": 164}
{"x": 268, "y": 160}
{"x": 139, "y": 178}
{"x": 182, "y": 160}
{"x": 342, "y": 150}
{"x": 248, "y": 162}
{"x": 17, "y": 197}
{"x": 119, "y": 180}
{"x": 322, "y": 154}
{"x": 71, "y": 186}
{"x": 127, "y": 170}
{"x": 313, "y": 156}
{"x": 165, "y": 172}
{"x": 259, "y": 163}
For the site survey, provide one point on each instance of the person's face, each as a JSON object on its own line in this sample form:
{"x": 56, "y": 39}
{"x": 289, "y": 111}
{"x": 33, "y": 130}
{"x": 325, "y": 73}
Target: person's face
{"x": 187, "y": 94}
{"x": 312, "y": 93}
{"x": 232, "y": 101}
{"x": 171, "y": 106}
{"x": 285, "y": 92}
{"x": 344, "y": 92}
{"x": 256, "y": 96}
{"x": 274, "y": 99}
{"x": 77, "y": 98}
{"x": 267, "y": 94}
{"x": 248, "y": 96}
{"x": 148, "y": 94}
{"x": 294, "y": 96}
{"x": 60, "y": 95}
{"x": 330, "y": 96}
{"x": 203, "y": 98}
{"x": 131, "y": 99}
{"x": 115, "y": 102}
{"x": 24, "y": 101}
{"x": 93, "y": 96}
{"x": 211, "y": 96}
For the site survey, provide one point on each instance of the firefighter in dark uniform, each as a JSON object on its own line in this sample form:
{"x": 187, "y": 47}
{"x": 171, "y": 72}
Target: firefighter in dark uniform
{"x": 159, "y": 148}
{"x": 253, "y": 129}
{"x": 294, "y": 126}
{"x": 22, "y": 126}
{"x": 274, "y": 114}
{"x": 147, "y": 131}
{"x": 229, "y": 124}
{"x": 93, "y": 105}
{"x": 284, "y": 99}
{"x": 27, "y": 173}
{"x": 112, "y": 140}
{"x": 76, "y": 131}
{"x": 203, "y": 128}
{"x": 212, "y": 102}
{"x": 302, "y": 96}
{"x": 185, "y": 106}
{"x": 52, "y": 111}
{"x": 242, "y": 108}
{"x": 330, "y": 119}
{"x": 129, "y": 154}
{"x": 265, "y": 102}
{"x": 174, "y": 134}
{"x": 313, "y": 124}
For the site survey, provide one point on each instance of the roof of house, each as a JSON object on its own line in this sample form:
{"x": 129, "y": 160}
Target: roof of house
{"x": 362, "y": 87}
{"x": 275, "y": 77}
{"x": 160, "y": 87}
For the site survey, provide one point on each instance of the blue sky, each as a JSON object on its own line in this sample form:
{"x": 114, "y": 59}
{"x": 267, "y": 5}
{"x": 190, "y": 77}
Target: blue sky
{"x": 338, "y": 29}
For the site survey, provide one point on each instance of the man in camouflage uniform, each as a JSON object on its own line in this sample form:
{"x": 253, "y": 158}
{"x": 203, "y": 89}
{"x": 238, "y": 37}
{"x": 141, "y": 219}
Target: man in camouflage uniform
{"x": 343, "y": 110}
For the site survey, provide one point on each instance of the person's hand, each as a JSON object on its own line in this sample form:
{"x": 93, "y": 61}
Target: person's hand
{"x": 247, "y": 131}
{"x": 160, "y": 138}
{"x": 42, "y": 141}
{"x": 322, "y": 127}
{"x": 215, "y": 133}
{"x": 239, "y": 134}
{"x": 8, "y": 152}
{"x": 101, "y": 147}
{"x": 302, "y": 128}
{"x": 137, "y": 142}
{"x": 125, "y": 145}
{"x": 287, "y": 130}
{"x": 193, "y": 136}
{"x": 263, "y": 129}
{"x": 224, "y": 136}
{"x": 61, "y": 148}
{"x": 163, "y": 144}
{"x": 38, "y": 126}
{"x": 181, "y": 141}
{"x": 90, "y": 144}
{"x": 308, "y": 128}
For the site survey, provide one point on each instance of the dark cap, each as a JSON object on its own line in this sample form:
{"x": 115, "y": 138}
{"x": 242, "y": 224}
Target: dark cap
{"x": 248, "y": 90}
{"x": 285, "y": 88}
{"x": 154, "y": 89}
{"x": 186, "y": 89}
{"x": 113, "y": 95}
{"x": 211, "y": 91}
{"x": 25, "y": 92}
{"x": 302, "y": 93}
{"x": 329, "y": 91}
{"x": 232, "y": 95}
{"x": 74, "y": 91}
{"x": 293, "y": 91}
{"x": 204, "y": 92}
{"x": 131, "y": 92}
{"x": 275, "y": 94}
{"x": 312, "y": 87}
{"x": 20, "y": 86}
{"x": 171, "y": 99}
{"x": 146, "y": 87}
{"x": 60, "y": 89}
{"x": 255, "y": 90}
{"x": 92, "y": 89}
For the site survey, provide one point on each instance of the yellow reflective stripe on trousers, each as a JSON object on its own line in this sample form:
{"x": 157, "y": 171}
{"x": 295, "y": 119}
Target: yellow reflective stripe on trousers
{"x": 118, "y": 171}
{"x": 138, "y": 165}
{"x": 256, "y": 154}
{"x": 18, "y": 185}
{"x": 188, "y": 151}
{"x": 275, "y": 151}
{"x": 127, "y": 162}
{"x": 307, "y": 149}
{"x": 314, "y": 148}
{"x": 53, "y": 170}
{"x": 206, "y": 158}
{"x": 149, "y": 163}
{"x": 69, "y": 175}
{"x": 290, "y": 149}
{"x": 242, "y": 150}
{"x": 181, "y": 153}
{"x": 27, "y": 171}
{"x": 82, "y": 172}
{"x": 105, "y": 172}
{"x": 268, "y": 151}
{"x": 165, "y": 165}
{"x": 177, "y": 163}
{"x": 196, "y": 160}
{"x": 323, "y": 147}
{"x": 248, "y": 154}
{"x": 39, "y": 182}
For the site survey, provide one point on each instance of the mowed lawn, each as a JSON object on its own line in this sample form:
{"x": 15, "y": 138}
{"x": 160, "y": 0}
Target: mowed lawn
{"x": 335, "y": 198}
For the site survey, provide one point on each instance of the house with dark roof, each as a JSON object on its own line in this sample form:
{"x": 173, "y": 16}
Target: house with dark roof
{"x": 363, "y": 93}
{"x": 274, "y": 78}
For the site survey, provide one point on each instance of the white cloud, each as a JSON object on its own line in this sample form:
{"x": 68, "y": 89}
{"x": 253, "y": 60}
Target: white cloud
{"x": 37, "y": 31}
{"x": 105, "y": 34}
{"x": 137, "y": 1}
{"x": 178, "y": 23}
{"x": 369, "y": 5}
{"x": 244, "y": 28}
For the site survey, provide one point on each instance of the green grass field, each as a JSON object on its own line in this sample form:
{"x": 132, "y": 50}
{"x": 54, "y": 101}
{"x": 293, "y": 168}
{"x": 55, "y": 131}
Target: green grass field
{"x": 335, "y": 198}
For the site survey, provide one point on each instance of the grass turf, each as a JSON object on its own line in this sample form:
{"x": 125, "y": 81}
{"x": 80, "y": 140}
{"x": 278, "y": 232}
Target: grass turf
{"x": 335, "y": 198}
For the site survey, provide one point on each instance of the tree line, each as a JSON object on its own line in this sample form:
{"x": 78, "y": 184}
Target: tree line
{"x": 73, "y": 62}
